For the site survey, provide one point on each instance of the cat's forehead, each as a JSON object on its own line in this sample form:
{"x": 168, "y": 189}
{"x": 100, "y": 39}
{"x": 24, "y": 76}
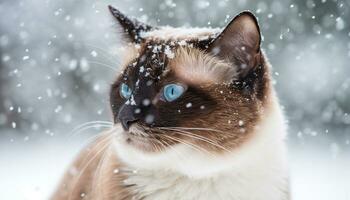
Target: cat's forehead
{"x": 150, "y": 61}
{"x": 180, "y": 51}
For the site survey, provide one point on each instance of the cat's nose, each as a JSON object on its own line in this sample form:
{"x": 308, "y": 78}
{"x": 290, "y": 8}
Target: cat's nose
{"x": 126, "y": 117}
{"x": 126, "y": 122}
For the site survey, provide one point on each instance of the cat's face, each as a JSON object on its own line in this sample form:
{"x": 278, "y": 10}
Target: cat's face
{"x": 205, "y": 90}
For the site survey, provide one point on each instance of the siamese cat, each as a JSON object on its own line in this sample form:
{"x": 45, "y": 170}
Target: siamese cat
{"x": 195, "y": 117}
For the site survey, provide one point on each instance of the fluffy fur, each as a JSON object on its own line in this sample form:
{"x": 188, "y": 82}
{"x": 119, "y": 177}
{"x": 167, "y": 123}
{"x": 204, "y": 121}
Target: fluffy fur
{"x": 200, "y": 68}
{"x": 182, "y": 173}
{"x": 232, "y": 142}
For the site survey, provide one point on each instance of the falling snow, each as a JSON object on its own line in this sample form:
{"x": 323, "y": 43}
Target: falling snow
{"x": 189, "y": 105}
{"x": 56, "y": 75}
{"x": 94, "y": 53}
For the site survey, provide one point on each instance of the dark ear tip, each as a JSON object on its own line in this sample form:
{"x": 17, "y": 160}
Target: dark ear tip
{"x": 113, "y": 10}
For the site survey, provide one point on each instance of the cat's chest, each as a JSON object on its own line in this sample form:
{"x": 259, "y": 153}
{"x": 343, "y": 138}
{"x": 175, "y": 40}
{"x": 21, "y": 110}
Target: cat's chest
{"x": 163, "y": 185}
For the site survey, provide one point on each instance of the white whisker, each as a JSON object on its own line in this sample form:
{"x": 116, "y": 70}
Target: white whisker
{"x": 198, "y": 137}
{"x": 191, "y": 145}
{"x": 103, "y": 65}
{"x": 103, "y": 148}
{"x": 78, "y": 131}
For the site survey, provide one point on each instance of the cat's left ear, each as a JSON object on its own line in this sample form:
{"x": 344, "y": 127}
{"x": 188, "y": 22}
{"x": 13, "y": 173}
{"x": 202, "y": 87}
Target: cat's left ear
{"x": 239, "y": 43}
{"x": 132, "y": 27}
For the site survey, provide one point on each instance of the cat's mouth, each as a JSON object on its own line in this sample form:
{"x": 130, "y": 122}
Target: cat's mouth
{"x": 147, "y": 139}
{"x": 137, "y": 130}
{"x": 138, "y": 137}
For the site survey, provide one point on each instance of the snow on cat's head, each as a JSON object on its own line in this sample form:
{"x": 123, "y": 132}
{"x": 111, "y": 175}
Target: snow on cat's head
{"x": 188, "y": 93}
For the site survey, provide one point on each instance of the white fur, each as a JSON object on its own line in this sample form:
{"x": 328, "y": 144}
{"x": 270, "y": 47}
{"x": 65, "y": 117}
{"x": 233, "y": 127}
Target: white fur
{"x": 255, "y": 171}
{"x": 180, "y": 33}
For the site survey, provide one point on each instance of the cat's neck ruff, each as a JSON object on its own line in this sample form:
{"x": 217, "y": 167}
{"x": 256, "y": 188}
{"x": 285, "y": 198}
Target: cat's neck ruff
{"x": 255, "y": 170}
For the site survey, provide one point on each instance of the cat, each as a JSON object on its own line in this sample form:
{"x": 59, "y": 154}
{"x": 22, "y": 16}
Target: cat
{"x": 195, "y": 117}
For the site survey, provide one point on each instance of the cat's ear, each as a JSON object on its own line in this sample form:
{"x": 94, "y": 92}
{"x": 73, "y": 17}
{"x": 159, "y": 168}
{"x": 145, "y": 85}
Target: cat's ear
{"x": 239, "y": 43}
{"x": 132, "y": 27}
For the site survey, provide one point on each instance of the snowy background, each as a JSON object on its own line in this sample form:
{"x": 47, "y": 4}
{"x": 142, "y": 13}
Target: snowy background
{"x": 57, "y": 60}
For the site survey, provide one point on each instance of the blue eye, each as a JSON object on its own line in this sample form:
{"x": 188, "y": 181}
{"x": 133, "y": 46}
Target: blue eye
{"x": 125, "y": 91}
{"x": 172, "y": 92}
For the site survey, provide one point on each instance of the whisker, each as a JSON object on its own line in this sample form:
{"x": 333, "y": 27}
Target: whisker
{"x": 103, "y": 65}
{"x": 179, "y": 155}
{"x": 90, "y": 122}
{"x": 99, "y": 167}
{"x": 199, "y": 137}
{"x": 76, "y": 132}
{"x": 92, "y": 138}
{"x": 198, "y": 128}
{"x": 92, "y": 159}
{"x": 106, "y": 54}
{"x": 191, "y": 145}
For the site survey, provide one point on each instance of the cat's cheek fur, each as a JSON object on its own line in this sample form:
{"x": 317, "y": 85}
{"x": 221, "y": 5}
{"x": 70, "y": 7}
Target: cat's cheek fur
{"x": 245, "y": 114}
{"x": 259, "y": 164}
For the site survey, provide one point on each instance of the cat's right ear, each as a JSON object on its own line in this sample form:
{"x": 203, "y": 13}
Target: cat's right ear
{"x": 132, "y": 27}
{"x": 239, "y": 43}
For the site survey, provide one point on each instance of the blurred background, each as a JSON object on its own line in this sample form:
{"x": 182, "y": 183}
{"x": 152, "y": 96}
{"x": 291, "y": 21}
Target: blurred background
{"x": 58, "y": 59}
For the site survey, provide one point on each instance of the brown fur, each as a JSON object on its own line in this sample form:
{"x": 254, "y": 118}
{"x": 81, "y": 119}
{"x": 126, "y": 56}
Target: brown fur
{"x": 227, "y": 103}
{"x": 92, "y": 173}
{"x": 197, "y": 67}
{"x": 95, "y": 174}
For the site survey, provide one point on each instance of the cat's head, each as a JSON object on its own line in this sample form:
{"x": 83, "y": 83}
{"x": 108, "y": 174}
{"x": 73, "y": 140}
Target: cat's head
{"x": 202, "y": 89}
